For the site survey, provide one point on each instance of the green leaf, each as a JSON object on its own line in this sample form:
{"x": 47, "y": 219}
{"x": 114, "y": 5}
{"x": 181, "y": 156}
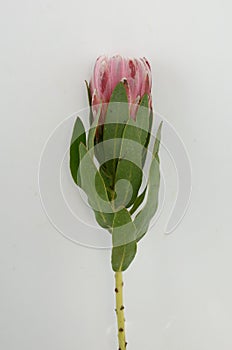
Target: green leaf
{"x": 90, "y": 102}
{"x": 117, "y": 113}
{"x": 124, "y": 241}
{"x": 78, "y": 137}
{"x": 92, "y": 132}
{"x": 130, "y": 163}
{"x": 99, "y": 145}
{"x": 95, "y": 147}
{"x": 94, "y": 187}
{"x": 143, "y": 218}
{"x": 138, "y": 201}
{"x": 144, "y": 119}
{"x": 105, "y": 221}
{"x": 128, "y": 180}
{"x": 116, "y": 118}
{"x": 150, "y": 118}
{"x": 157, "y": 142}
{"x": 139, "y": 129}
{"x": 122, "y": 256}
{"x": 118, "y": 223}
{"x": 108, "y": 180}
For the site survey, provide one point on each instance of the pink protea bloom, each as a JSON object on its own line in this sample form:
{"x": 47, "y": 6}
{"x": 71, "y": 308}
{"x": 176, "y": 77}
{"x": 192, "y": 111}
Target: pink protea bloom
{"x": 135, "y": 73}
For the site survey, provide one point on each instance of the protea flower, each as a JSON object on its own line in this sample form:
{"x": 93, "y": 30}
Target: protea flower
{"x": 109, "y": 71}
{"x": 108, "y": 161}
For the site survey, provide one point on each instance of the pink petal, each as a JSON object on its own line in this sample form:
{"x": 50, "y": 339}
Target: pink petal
{"x": 117, "y": 70}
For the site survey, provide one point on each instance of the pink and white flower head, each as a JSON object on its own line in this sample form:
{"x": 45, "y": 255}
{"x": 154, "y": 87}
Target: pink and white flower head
{"x": 135, "y": 73}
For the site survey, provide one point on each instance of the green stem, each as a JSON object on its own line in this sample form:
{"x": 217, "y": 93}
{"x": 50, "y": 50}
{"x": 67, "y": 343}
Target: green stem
{"x": 120, "y": 311}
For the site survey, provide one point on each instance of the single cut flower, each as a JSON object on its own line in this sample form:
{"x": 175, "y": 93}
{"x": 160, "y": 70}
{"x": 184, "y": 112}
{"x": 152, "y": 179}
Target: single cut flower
{"x": 109, "y": 71}
{"x": 107, "y": 163}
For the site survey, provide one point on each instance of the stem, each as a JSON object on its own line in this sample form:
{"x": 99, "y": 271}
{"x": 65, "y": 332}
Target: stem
{"x": 120, "y": 311}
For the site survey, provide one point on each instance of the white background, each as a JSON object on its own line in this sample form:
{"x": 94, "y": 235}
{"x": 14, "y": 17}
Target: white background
{"x": 57, "y": 295}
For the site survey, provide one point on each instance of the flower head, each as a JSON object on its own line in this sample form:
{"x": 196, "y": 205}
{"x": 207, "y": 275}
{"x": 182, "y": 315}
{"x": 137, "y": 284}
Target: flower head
{"x": 135, "y": 73}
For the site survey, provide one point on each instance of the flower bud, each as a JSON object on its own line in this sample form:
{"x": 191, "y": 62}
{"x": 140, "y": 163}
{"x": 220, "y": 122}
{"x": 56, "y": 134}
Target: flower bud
{"x": 135, "y": 73}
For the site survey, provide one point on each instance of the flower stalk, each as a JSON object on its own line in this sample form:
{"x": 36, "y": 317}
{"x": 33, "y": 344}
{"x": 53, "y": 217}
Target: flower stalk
{"x": 120, "y": 311}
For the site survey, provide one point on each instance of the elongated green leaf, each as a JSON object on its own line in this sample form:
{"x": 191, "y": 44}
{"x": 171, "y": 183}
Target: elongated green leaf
{"x": 92, "y": 131}
{"x": 108, "y": 180}
{"x": 132, "y": 153}
{"x": 155, "y": 153}
{"x": 119, "y": 223}
{"x": 138, "y": 201}
{"x": 124, "y": 241}
{"x": 128, "y": 181}
{"x": 138, "y": 130}
{"x": 122, "y": 256}
{"x": 117, "y": 114}
{"x": 148, "y": 138}
{"x": 93, "y": 185}
{"x": 116, "y": 118}
{"x": 78, "y": 137}
{"x": 144, "y": 119}
{"x": 144, "y": 217}
{"x": 94, "y": 146}
{"x": 90, "y": 102}
{"x": 99, "y": 145}
{"x": 105, "y": 221}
